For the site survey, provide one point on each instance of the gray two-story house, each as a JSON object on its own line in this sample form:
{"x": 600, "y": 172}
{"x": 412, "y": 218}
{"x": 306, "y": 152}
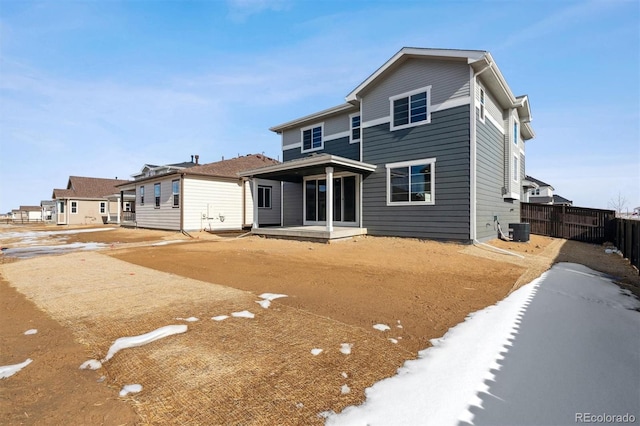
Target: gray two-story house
{"x": 431, "y": 145}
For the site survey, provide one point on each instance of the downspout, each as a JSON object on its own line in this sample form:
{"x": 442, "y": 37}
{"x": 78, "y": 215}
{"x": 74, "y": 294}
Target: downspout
{"x": 473, "y": 232}
{"x": 181, "y": 205}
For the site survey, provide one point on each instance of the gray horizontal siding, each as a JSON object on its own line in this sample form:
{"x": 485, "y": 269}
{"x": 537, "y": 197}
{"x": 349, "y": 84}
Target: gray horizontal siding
{"x": 490, "y": 179}
{"x": 446, "y": 139}
{"x": 292, "y": 204}
{"x": 340, "y": 147}
{"x": 449, "y": 80}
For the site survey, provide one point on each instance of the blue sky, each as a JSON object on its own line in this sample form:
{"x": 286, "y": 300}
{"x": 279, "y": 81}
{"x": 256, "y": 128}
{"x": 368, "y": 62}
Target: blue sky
{"x": 102, "y": 88}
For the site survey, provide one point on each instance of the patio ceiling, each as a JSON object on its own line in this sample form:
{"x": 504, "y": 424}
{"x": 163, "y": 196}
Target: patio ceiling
{"x": 295, "y": 170}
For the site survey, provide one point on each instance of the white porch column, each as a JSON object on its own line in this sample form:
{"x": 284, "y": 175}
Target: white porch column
{"x": 329, "y": 171}
{"x": 119, "y": 202}
{"x": 254, "y": 197}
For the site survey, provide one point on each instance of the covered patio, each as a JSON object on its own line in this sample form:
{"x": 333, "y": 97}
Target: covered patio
{"x": 321, "y": 197}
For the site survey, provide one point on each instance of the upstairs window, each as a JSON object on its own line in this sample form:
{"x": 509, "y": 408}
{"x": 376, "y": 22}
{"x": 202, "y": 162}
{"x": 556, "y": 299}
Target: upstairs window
{"x": 355, "y": 128}
{"x": 515, "y": 133}
{"x": 411, "y": 109}
{"x": 156, "y": 193}
{"x": 482, "y": 106}
{"x": 411, "y": 182}
{"x": 312, "y": 138}
{"x": 264, "y": 197}
{"x": 142, "y": 195}
{"x": 175, "y": 188}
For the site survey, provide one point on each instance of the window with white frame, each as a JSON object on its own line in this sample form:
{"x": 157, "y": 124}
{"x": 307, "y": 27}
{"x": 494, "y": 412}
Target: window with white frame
{"x": 74, "y": 207}
{"x": 312, "y": 138}
{"x": 515, "y": 132}
{"x": 103, "y": 207}
{"x": 264, "y": 197}
{"x": 411, "y": 182}
{"x": 156, "y": 193}
{"x": 175, "y": 189}
{"x": 482, "y": 104}
{"x": 355, "y": 128}
{"x": 142, "y": 195}
{"x": 516, "y": 170}
{"x": 411, "y": 108}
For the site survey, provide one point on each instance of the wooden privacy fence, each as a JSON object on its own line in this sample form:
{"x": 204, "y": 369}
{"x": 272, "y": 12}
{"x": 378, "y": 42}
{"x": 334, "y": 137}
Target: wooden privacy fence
{"x": 572, "y": 223}
{"x": 628, "y": 239}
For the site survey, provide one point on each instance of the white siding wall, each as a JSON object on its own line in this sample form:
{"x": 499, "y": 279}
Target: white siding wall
{"x": 215, "y": 205}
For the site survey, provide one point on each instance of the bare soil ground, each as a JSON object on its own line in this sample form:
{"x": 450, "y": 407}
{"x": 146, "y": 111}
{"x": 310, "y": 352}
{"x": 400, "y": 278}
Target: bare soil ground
{"x": 241, "y": 371}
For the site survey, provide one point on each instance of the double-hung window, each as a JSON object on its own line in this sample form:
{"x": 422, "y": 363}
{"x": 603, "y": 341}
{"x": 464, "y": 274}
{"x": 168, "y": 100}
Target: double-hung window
{"x": 103, "y": 207}
{"x": 175, "y": 189}
{"x": 142, "y": 195}
{"x": 156, "y": 194}
{"x": 411, "y": 182}
{"x": 264, "y": 197}
{"x": 74, "y": 207}
{"x": 355, "y": 128}
{"x": 411, "y": 108}
{"x": 312, "y": 138}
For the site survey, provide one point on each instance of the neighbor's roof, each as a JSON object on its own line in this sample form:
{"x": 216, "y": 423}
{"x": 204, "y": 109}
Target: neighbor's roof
{"x": 558, "y": 199}
{"x": 88, "y": 187}
{"x": 231, "y": 168}
{"x": 30, "y": 208}
{"x": 539, "y": 182}
{"x": 479, "y": 60}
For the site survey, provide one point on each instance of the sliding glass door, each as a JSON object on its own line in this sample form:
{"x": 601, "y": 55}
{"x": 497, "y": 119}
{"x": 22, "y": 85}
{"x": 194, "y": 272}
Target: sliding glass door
{"x": 344, "y": 200}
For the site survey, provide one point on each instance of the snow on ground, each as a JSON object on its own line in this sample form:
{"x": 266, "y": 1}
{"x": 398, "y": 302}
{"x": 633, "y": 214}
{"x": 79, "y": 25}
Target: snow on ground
{"x": 345, "y": 348}
{"x": 31, "y": 331}
{"x": 32, "y": 251}
{"x": 220, "y": 317}
{"x": 134, "y": 341}
{"x": 164, "y": 243}
{"x": 242, "y": 314}
{"x": 267, "y": 298}
{"x": 264, "y": 303}
{"x": 382, "y": 327}
{"x": 10, "y": 370}
{"x": 127, "y": 389}
{"x": 190, "y": 319}
{"x": 443, "y": 382}
{"x": 316, "y": 351}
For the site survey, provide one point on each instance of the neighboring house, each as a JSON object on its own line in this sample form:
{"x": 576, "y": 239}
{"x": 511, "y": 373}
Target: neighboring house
{"x": 26, "y": 214}
{"x": 431, "y": 145}
{"x": 85, "y": 200}
{"x": 205, "y": 196}
{"x": 48, "y": 208}
{"x": 539, "y": 192}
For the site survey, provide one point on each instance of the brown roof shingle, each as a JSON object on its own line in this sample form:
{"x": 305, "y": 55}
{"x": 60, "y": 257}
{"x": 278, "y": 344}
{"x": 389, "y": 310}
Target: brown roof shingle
{"x": 88, "y": 187}
{"x": 231, "y": 168}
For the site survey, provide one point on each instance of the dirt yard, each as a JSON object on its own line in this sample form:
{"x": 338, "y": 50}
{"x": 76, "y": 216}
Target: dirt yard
{"x": 240, "y": 370}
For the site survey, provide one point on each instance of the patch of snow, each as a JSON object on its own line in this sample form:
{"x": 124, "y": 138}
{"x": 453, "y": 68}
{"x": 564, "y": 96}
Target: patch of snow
{"x": 127, "y": 389}
{"x": 382, "y": 327}
{"x": 343, "y": 374}
{"x": 316, "y": 351}
{"x": 264, "y": 303}
{"x": 299, "y": 405}
{"x": 242, "y": 314}
{"x": 10, "y": 370}
{"x": 32, "y": 331}
{"x": 271, "y": 296}
{"x": 164, "y": 243}
{"x": 190, "y": 319}
{"x": 345, "y": 348}
{"x": 442, "y": 382}
{"x": 220, "y": 317}
{"x": 392, "y": 340}
{"x": 101, "y": 379}
{"x": 92, "y": 364}
{"x": 326, "y": 414}
{"x": 345, "y": 390}
{"x": 143, "y": 339}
